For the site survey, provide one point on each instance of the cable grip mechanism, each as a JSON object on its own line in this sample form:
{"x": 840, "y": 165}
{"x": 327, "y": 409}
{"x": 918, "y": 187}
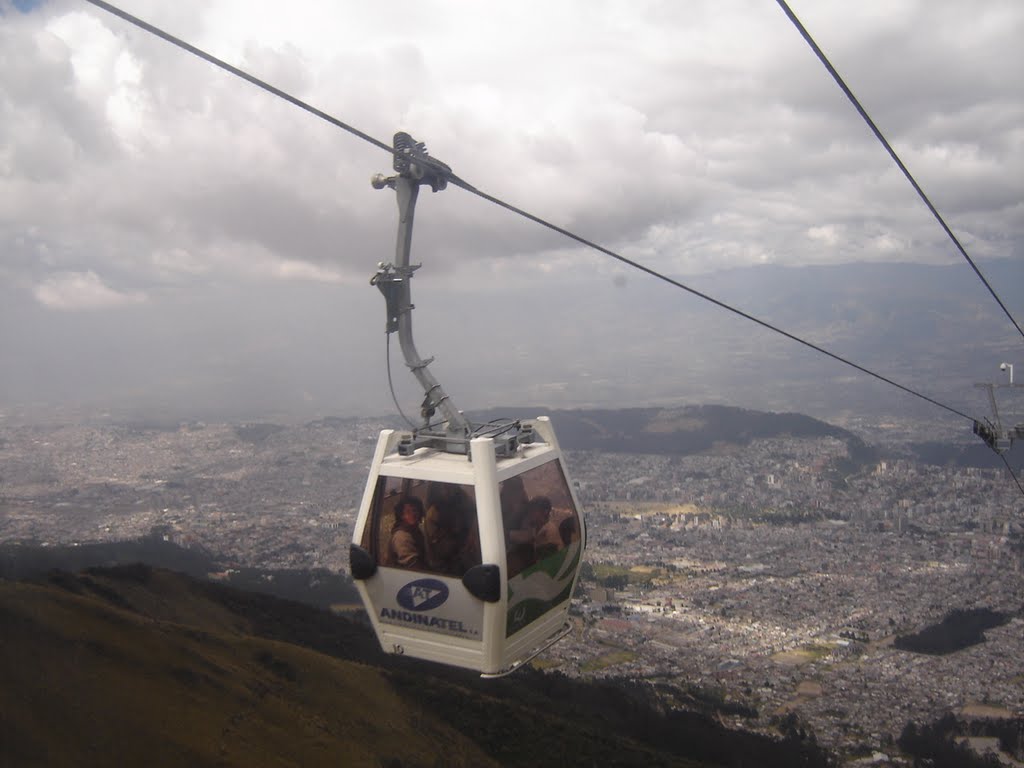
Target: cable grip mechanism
{"x": 414, "y": 168}
{"x": 393, "y": 283}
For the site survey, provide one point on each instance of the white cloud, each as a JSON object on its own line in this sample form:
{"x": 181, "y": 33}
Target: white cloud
{"x": 74, "y": 291}
{"x": 717, "y": 119}
{"x": 889, "y": 244}
{"x": 303, "y": 270}
{"x": 172, "y": 262}
{"x": 827, "y": 234}
{"x": 694, "y": 137}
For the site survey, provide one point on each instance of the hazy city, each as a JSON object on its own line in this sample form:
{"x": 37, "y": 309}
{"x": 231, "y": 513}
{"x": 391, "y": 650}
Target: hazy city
{"x": 186, "y": 329}
{"x": 751, "y": 574}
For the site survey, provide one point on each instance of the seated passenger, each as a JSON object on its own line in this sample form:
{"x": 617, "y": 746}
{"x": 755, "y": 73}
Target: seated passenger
{"x": 522, "y": 541}
{"x": 557, "y": 534}
{"x": 513, "y": 504}
{"x": 406, "y": 548}
{"x": 549, "y": 540}
{"x": 446, "y": 528}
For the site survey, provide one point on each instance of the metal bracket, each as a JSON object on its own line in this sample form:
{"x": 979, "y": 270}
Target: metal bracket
{"x": 991, "y": 431}
{"x": 416, "y": 168}
{"x": 391, "y": 281}
{"x": 508, "y": 437}
{"x": 412, "y": 161}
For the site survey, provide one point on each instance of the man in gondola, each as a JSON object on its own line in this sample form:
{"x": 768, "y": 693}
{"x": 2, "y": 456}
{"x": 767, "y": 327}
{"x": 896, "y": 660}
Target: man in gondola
{"x": 445, "y": 528}
{"x": 406, "y": 547}
{"x": 522, "y": 552}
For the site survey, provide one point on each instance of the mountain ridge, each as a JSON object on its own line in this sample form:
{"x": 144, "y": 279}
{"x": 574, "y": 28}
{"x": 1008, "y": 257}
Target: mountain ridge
{"x": 135, "y": 665}
{"x": 629, "y": 341}
{"x": 172, "y": 695}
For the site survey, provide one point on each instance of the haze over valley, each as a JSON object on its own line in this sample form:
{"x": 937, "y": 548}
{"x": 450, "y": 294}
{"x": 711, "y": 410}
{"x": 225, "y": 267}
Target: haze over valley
{"x": 790, "y": 559}
{"x": 767, "y": 561}
{"x": 320, "y": 353}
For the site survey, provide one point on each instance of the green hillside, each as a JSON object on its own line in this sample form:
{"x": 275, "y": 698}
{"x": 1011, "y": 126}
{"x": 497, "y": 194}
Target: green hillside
{"x": 137, "y": 666}
{"x": 86, "y": 683}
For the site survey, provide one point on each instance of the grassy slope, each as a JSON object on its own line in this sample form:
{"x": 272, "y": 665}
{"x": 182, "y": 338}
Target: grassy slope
{"x": 137, "y": 666}
{"x": 85, "y": 684}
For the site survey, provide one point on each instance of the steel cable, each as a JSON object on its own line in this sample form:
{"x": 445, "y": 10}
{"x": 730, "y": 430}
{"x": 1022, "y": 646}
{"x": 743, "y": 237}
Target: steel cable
{"x": 454, "y": 179}
{"x": 892, "y": 153}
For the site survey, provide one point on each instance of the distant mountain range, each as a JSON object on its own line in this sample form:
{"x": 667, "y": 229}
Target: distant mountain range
{"x": 672, "y": 431}
{"x": 698, "y": 428}
{"x": 137, "y": 666}
{"x": 935, "y": 329}
{"x": 931, "y": 328}
{"x": 605, "y": 339}
{"x": 636, "y": 341}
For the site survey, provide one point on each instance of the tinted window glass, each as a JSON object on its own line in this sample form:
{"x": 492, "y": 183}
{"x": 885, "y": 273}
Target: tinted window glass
{"x": 538, "y": 516}
{"x": 424, "y": 526}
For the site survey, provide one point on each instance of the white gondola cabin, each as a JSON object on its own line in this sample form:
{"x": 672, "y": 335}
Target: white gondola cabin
{"x": 469, "y": 540}
{"x": 495, "y": 554}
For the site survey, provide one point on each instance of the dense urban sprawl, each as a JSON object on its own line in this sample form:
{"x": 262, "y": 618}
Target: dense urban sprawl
{"x": 757, "y": 575}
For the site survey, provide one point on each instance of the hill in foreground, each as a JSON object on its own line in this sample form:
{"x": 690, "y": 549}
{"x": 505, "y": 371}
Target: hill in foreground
{"x": 137, "y": 666}
{"x": 152, "y": 674}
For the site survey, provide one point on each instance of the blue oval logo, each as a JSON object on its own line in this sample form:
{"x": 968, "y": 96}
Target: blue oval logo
{"x": 422, "y": 595}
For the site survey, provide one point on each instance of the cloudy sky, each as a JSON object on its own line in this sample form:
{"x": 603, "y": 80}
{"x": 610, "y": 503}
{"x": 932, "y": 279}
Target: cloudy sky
{"x": 172, "y": 237}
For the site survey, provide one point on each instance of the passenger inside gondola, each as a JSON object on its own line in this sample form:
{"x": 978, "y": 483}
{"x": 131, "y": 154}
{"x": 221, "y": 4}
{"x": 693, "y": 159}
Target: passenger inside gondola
{"x": 538, "y": 515}
{"x": 406, "y": 548}
{"x": 555, "y": 535}
{"x": 513, "y": 502}
{"x": 451, "y": 531}
{"x": 443, "y": 527}
{"x": 424, "y": 526}
{"x": 523, "y": 541}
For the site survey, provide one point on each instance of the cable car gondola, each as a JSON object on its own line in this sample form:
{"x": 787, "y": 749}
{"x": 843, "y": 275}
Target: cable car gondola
{"x": 469, "y": 539}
